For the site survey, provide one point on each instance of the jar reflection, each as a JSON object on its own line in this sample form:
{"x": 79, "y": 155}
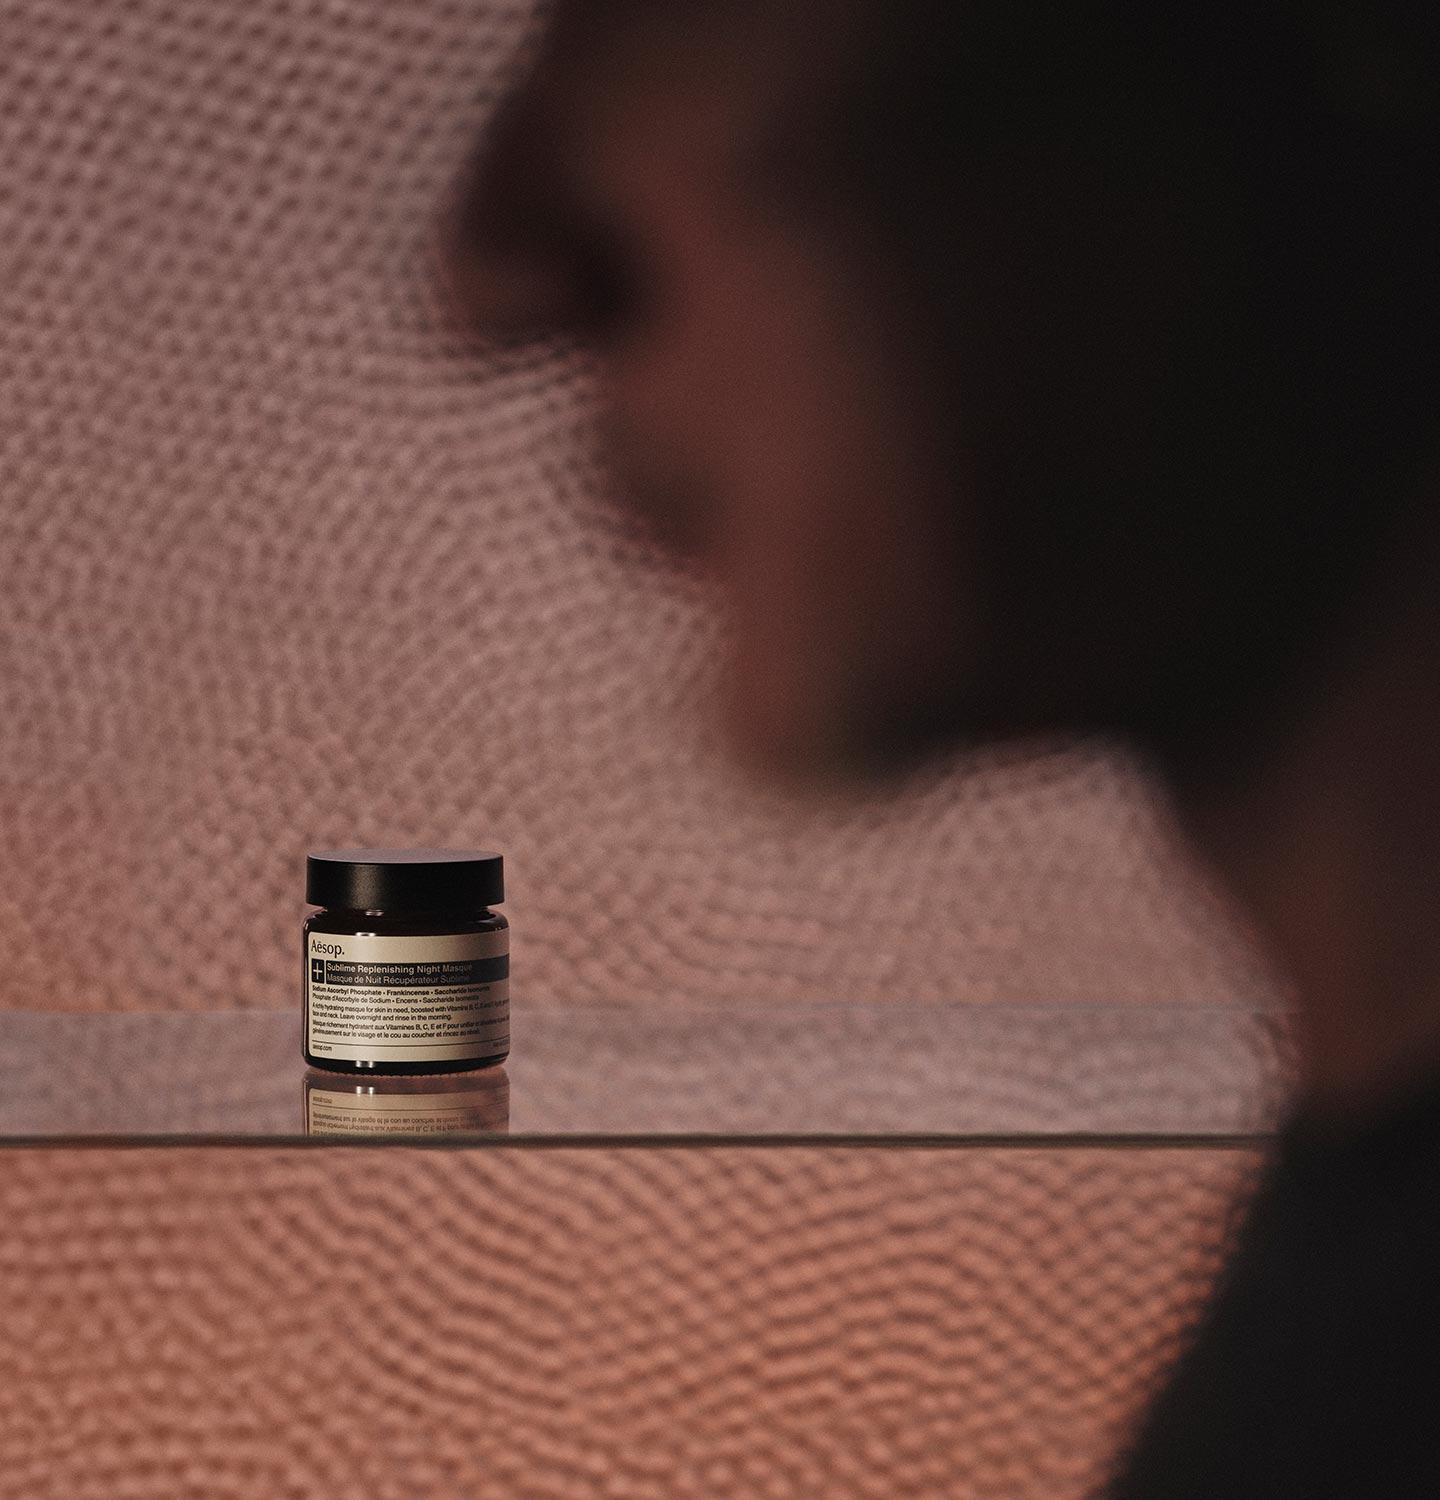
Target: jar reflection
{"x": 450, "y": 1104}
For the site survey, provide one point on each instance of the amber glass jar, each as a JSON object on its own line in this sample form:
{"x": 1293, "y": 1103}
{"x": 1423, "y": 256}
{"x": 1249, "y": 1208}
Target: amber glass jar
{"x": 406, "y": 967}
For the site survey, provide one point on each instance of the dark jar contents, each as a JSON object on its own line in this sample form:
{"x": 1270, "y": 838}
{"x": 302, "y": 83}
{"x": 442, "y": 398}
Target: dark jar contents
{"x": 406, "y": 967}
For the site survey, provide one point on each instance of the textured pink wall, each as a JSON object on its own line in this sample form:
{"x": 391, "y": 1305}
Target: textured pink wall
{"x": 282, "y": 563}
{"x": 657, "y": 1325}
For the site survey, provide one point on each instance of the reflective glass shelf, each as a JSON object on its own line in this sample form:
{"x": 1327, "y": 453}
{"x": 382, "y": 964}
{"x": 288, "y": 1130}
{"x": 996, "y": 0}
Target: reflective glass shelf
{"x": 997, "y": 1074}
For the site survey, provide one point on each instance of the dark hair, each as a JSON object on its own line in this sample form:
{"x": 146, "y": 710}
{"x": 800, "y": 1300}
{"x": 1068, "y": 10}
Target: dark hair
{"x": 1183, "y": 265}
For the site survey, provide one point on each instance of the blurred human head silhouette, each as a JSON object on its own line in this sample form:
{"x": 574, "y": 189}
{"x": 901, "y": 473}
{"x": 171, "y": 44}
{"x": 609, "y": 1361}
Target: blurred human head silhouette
{"x": 1016, "y": 367}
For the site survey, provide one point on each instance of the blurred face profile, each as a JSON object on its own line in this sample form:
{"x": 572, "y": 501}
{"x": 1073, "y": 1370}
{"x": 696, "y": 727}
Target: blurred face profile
{"x": 924, "y": 333}
{"x": 764, "y": 412}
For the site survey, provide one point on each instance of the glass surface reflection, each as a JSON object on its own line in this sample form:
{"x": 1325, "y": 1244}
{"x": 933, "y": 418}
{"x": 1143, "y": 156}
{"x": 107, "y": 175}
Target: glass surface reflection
{"x": 445, "y": 1104}
{"x": 1030, "y": 1072}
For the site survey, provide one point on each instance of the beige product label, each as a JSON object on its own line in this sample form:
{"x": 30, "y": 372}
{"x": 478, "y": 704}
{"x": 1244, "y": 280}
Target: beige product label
{"x": 334, "y": 1112}
{"x": 408, "y": 999}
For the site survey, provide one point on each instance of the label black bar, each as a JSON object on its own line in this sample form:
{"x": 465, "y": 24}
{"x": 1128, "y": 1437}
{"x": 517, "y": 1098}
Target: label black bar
{"x": 350, "y": 975}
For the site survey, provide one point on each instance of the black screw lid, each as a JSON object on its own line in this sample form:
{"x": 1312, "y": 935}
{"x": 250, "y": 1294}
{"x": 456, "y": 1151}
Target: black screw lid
{"x": 404, "y": 879}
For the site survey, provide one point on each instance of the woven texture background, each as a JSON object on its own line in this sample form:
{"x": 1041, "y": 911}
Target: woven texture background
{"x": 283, "y": 563}
{"x": 655, "y": 1325}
